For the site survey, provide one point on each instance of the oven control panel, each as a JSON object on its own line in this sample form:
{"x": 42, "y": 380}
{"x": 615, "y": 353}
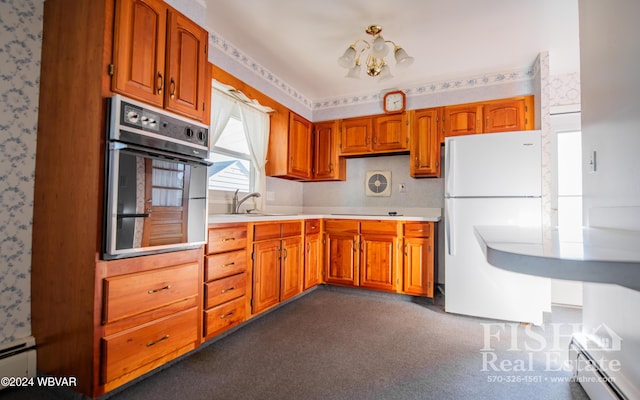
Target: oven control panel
{"x": 143, "y": 119}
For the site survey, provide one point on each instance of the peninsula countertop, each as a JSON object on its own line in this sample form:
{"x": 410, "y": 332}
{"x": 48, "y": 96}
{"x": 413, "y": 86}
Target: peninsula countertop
{"x": 580, "y": 253}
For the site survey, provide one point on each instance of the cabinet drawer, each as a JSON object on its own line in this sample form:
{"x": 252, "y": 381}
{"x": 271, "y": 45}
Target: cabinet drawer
{"x": 293, "y": 228}
{"x": 417, "y": 229}
{"x": 224, "y": 316}
{"x": 266, "y": 231}
{"x": 225, "y": 289}
{"x": 342, "y": 225}
{"x": 225, "y": 264}
{"x": 127, "y": 295}
{"x": 382, "y": 227}
{"x": 311, "y": 226}
{"x": 128, "y": 350}
{"x": 226, "y": 239}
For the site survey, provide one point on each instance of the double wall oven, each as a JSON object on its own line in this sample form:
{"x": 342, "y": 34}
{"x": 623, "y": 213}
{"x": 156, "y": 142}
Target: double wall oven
{"x": 156, "y": 181}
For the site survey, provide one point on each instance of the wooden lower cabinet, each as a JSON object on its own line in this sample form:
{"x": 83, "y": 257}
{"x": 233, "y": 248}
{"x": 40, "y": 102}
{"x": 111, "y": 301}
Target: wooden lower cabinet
{"x": 225, "y": 279}
{"x": 137, "y": 348}
{"x": 341, "y": 252}
{"x": 278, "y": 259}
{"x": 313, "y": 253}
{"x": 419, "y": 273}
{"x": 377, "y": 264}
{"x": 150, "y": 313}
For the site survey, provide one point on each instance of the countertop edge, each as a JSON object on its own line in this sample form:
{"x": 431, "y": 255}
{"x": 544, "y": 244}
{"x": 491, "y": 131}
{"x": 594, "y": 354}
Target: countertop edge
{"x": 621, "y": 272}
{"x": 226, "y": 218}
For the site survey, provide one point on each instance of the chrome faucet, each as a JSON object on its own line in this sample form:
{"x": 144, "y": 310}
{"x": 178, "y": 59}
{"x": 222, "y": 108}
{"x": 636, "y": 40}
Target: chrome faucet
{"x": 237, "y": 203}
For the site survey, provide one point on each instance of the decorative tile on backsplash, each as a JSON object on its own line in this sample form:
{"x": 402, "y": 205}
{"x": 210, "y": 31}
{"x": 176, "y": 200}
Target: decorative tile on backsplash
{"x": 20, "y": 47}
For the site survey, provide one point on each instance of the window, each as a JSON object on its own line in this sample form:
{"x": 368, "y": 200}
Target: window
{"x": 568, "y": 160}
{"x": 232, "y": 167}
{"x": 570, "y": 178}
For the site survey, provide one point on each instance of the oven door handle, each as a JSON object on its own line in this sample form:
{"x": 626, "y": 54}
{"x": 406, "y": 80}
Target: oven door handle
{"x": 160, "y": 153}
{"x": 146, "y": 215}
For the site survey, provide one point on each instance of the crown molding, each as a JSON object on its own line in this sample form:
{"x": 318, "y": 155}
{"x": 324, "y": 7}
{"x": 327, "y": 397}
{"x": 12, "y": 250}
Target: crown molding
{"x": 263, "y": 74}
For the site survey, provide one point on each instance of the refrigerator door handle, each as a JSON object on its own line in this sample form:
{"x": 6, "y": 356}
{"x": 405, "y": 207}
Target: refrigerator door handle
{"x": 448, "y": 163}
{"x": 448, "y": 228}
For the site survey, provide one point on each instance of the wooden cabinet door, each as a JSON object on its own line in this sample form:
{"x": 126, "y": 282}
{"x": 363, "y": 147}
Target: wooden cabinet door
{"x": 356, "y": 135}
{"x": 465, "y": 119}
{"x": 300, "y": 157}
{"x": 377, "y": 266}
{"x": 312, "y": 265}
{"x": 327, "y": 165}
{"x": 390, "y": 132}
{"x": 418, "y": 266}
{"x": 504, "y": 116}
{"x": 186, "y": 61}
{"x": 425, "y": 143}
{"x": 266, "y": 275}
{"x": 291, "y": 267}
{"x": 341, "y": 258}
{"x": 139, "y": 49}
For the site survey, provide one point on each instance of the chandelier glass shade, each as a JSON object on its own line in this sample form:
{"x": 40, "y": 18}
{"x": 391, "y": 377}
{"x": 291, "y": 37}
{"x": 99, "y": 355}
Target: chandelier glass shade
{"x": 376, "y": 50}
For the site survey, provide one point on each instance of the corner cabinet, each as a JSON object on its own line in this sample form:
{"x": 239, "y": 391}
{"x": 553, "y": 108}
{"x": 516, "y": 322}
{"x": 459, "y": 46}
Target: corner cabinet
{"x": 361, "y": 253}
{"x": 160, "y": 57}
{"x": 327, "y": 164}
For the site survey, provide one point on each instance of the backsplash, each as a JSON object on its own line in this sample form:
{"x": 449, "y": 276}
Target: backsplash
{"x": 20, "y": 48}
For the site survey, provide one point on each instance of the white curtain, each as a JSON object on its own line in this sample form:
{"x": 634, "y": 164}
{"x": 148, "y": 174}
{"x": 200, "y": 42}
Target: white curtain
{"x": 256, "y": 130}
{"x": 221, "y": 109}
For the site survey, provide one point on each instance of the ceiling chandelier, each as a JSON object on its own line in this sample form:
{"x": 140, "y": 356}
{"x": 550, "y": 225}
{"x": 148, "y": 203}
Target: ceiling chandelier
{"x": 377, "y": 50}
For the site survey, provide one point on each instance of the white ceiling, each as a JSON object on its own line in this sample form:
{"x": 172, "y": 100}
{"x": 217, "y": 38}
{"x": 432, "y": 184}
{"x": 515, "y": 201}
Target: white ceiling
{"x": 300, "y": 40}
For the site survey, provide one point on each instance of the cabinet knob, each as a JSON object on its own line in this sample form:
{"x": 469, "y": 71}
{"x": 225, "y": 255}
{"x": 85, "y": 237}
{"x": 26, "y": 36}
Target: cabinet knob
{"x": 172, "y": 88}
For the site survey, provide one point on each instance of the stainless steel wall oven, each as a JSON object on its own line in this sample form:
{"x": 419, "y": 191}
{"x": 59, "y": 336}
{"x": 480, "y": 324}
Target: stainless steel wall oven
{"x": 156, "y": 181}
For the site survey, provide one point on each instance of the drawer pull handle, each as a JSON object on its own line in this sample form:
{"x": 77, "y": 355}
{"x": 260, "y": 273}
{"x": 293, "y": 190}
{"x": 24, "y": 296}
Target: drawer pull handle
{"x": 162, "y": 339}
{"x": 227, "y": 239}
{"x": 228, "y": 290}
{"x": 231, "y": 264}
{"x": 152, "y": 291}
{"x": 227, "y": 315}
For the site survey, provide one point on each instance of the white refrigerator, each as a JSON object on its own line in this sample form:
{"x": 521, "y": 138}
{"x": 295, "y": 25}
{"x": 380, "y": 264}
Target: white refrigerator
{"x": 491, "y": 179}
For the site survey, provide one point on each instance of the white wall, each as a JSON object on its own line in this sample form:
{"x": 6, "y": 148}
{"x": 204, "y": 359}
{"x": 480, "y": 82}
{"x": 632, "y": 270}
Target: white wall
{"x": 609, "y": 59}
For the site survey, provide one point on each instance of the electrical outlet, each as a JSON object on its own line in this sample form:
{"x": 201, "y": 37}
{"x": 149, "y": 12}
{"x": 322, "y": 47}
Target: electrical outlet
{"x": 271, "y": 196}
{"x": 403, "y": 188}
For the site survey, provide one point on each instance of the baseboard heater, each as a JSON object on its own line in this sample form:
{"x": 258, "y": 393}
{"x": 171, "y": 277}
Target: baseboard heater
{"x": 18, "y": 359}
{"x": 593, "y": 379}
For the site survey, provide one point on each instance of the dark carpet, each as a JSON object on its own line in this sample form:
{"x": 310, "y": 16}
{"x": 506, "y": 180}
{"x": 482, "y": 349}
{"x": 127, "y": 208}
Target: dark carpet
{"x": 338, "y": 343}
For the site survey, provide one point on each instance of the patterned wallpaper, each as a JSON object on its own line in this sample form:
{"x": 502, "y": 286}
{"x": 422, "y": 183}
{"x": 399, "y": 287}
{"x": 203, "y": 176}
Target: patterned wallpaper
{"x": 20, "y": 43}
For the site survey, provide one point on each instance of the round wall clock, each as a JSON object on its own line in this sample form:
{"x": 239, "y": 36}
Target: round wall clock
{"x": 378, "y": 183}
{"x": 394, "y": 102}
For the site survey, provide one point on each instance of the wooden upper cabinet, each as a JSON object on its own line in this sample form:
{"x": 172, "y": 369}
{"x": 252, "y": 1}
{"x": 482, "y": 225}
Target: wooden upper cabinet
{"x": 139, "y": 49}
{"x": 159, "y": 57}
{"x": 426, "y": 127}
{"x": 390, "y": 132}
{"x": 186, "y": 61}
{"x": 327, "y": 165}
{"x": 465, "y": 119}
{"x": 299, "y": 147}
{"x": 507, "y": 115}
{"x": 356, "y": 135}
